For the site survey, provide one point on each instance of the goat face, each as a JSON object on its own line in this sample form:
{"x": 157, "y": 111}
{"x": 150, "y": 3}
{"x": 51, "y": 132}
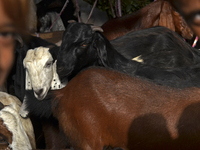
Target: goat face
{"x": 39, "y": 68}
{"x": 77, "y": 50}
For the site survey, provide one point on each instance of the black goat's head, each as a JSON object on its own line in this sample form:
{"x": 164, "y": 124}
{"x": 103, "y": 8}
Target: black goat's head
{"x": 81, "y": 47}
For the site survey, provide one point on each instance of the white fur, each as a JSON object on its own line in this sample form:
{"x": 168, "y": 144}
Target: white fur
{"x": 37, "y": 75}
{"x": 22, "y": 129}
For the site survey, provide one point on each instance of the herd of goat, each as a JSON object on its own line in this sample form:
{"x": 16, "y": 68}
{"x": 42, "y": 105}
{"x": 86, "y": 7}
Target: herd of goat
{"x": 116, "y": 87}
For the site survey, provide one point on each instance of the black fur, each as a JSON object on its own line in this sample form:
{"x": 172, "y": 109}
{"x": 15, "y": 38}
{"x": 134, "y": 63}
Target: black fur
{"x": 81, "y": 48}
{"x": 39, "y": 108}
{"x": 158, "y": 46}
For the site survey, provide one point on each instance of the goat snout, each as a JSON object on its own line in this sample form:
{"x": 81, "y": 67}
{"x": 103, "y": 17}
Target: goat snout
{"x": 40, "y": 93}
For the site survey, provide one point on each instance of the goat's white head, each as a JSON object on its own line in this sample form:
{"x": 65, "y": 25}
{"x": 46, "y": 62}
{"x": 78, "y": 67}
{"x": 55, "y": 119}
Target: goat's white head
{"x": 40, "y": 71}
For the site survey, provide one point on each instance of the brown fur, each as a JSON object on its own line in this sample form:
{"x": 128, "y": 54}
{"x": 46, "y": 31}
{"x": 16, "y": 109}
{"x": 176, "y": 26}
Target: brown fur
{"x": 187, "y": 7}
{"x": 100, "y": 108}
{"x": 158, "y": 13}
{"x": 5, "y": 134}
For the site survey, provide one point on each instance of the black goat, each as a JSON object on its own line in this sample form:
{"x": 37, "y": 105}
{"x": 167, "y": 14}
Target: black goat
{"x": 157, "y": 46}
{"x": 82, "y": 47}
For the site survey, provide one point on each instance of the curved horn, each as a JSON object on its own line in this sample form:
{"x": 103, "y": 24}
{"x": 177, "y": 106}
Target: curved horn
{"x": 19, "y": 39}
{"x": 97, "y": 28}
{"x": 71, "y": 21}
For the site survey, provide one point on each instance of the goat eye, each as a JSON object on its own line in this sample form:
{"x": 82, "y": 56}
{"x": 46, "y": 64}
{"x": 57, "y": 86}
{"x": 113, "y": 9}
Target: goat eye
{"x": 83, "y": 45}
{"x": 48, "y": 65}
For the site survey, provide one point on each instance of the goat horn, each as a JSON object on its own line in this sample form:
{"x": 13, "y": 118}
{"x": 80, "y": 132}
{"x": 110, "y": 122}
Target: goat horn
{"x": 19, "y": 39}
{"x": 71, "y": 21}
{"x": 97, "y": 28}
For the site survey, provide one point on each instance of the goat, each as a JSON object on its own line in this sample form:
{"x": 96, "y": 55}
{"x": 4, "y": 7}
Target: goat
{"x": 102, "y": 107}
{"x": 158, "y": 13}
{"x": 48, "y": 19}
{"x": 41, "y": 77}
{"x": 155, "y": 46}
{"x": 46, "y": 6}
{"x": 18, "y": 131}
{"x": 16, "y": 78}
{"x": 82, "y": 47}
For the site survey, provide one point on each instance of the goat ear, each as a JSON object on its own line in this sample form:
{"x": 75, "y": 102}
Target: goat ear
{"x": 56, "y": 83}
{"x": 101, "y": 47}
{"x": 28, "y": 85}
{"x": 54, "y": 52}
{"x": 181, "y": 26}
{"x": 166, "y": 18}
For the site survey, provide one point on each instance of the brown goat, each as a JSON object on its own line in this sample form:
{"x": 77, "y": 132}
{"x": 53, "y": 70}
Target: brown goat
{"x": 101, "y": 107}
{"x": 158, "y": 13}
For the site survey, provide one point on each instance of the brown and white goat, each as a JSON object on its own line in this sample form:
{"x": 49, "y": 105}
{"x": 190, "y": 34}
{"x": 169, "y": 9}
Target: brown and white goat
{"x": 158, "y": 13}
{"x": 15, "y": 132}
{"x": 101, "y": 107}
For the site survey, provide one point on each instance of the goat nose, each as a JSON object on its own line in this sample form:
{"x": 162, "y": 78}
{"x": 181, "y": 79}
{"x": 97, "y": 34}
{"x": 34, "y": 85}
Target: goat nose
{"x": 39, "y": 92}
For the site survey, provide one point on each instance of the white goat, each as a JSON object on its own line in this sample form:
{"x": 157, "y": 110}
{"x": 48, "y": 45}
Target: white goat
{"x": 21, "y": 129}
{"x": 41, "y": 75}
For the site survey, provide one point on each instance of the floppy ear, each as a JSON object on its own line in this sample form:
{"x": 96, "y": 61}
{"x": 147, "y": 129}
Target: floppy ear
{"x": 28, "y": 85}
{"x": 100, "y": 45}
{"x": 181, "y": 26}
{"x": 56, "y": 83}
{"x": 166, "y": 18}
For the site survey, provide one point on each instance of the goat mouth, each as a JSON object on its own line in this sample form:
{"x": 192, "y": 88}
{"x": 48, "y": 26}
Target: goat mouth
{"x": 42, "y": 96}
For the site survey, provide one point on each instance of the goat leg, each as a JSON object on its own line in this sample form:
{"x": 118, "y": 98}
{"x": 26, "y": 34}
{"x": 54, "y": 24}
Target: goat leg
{"x": 23, "y": 112}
